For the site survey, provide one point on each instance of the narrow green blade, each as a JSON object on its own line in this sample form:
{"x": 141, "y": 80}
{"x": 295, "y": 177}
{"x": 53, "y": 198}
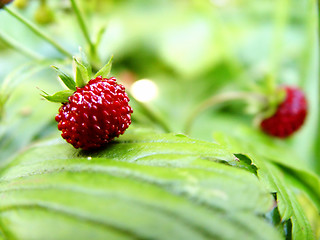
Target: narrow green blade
{"x": 105, "y": 71}
{"x": 66, "y": 79}
{"x": 82, "y": 76}
{"x": 61, "y": 96}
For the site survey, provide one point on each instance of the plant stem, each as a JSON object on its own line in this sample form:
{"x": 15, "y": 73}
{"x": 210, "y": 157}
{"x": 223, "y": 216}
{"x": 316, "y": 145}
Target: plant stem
{"x": 82, "y": 25}
{"x": 19, "y": 48}
{"x": 221, "y": 98}
{"x": 317, "y": 142}
{"x": 152, "y": 115}
{"x": 38, "y": 32}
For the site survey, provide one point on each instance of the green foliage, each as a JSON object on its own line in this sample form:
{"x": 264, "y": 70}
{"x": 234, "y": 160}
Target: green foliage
{"x": 143, "y": 185}
{"x": 272, "y": 172}
{"x": 147, "y": 185}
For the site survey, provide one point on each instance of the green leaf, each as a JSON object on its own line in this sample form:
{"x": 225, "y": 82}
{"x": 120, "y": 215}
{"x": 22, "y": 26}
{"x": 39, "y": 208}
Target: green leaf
{"x": 274, "y": 178}
{"x": 301, "y": 228}
{"x": 274, "y": 216}
{"x": 66, "y": 79}
{"x": 285, "y": 227}
{"x": 246, "y": 162}
{"x": 82, "y": 75}
{"x": 144, "y": 185}
{"x": 105, "y": 71}
{"x": 60, "y": 97}
{"x": 279, "y": 154}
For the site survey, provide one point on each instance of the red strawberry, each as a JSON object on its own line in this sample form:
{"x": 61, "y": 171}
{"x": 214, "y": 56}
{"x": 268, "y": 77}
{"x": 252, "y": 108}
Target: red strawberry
{"x": 289, "y": 116}
{"x": 95, "y": 114}
{"x": 4, "y": 2}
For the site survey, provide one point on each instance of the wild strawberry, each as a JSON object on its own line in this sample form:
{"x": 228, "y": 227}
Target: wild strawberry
{"x": 289, "y": 116}
{"x": 4, "y": 2}
{"x": 93, "y": 112}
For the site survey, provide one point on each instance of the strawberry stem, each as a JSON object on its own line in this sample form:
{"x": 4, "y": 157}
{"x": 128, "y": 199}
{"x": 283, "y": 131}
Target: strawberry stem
{"x": 38, "y": 32}
{"x": 83, "y": 26}
{"x": 151, "y": 114}
{"x": 222, "y": 98}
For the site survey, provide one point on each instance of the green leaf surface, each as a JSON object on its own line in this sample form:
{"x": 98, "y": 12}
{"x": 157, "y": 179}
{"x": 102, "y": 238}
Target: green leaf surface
{"x": 61, "y": 96}
{"x": 144, "y": 185}
{"x": 300, "y": 223}
{"x": 282, "y": 156}
{"x": 271, "y": 174}
{"x": 105, "y": 70}
{"x": 66, "y": 79}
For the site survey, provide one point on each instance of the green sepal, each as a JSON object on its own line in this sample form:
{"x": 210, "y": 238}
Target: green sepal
{"x": 61, "y": 96}
{"x": 85, "y": 61}
{"x": 81, "y": 74}
{"x": 66, "y": 79}
{"x": 105, "y": 71}
{"x": 274, "y": 100}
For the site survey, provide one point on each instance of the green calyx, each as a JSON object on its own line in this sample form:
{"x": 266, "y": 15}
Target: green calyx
{"x": 82, "y": 75}
{"x": 105, "y": 70}
{"x": 61, "y": 96}
{"x": 273, "y": 102}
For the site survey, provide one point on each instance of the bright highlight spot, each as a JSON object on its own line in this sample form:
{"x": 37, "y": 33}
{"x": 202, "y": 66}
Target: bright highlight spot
{"x": 144, "y": 90}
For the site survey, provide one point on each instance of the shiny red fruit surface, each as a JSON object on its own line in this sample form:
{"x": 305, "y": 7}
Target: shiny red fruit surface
{"x": 95, "y": 114}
